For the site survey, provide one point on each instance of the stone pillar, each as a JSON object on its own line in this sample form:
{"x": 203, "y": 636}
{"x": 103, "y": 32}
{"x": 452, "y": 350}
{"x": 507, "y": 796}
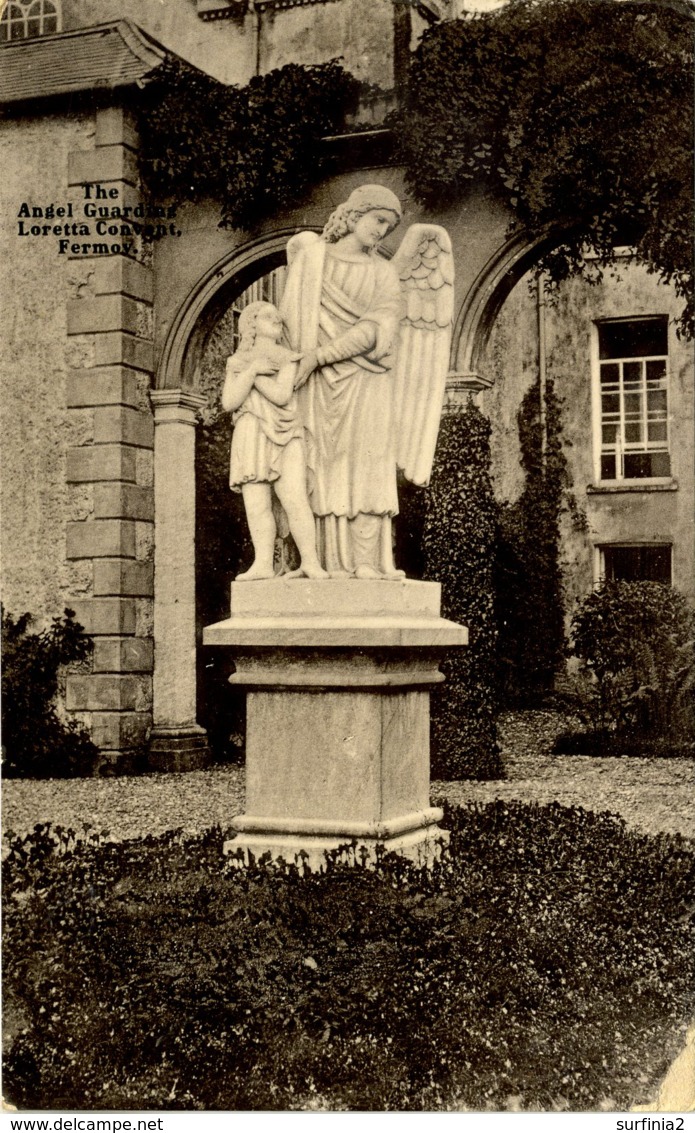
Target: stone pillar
{"x": 109, "y": 457}
{"x": 177, "y": 742}
{"x": 460, "y": 385}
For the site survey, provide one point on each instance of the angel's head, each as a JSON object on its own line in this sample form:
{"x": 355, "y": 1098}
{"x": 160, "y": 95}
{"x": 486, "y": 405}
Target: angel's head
{"x": 372, "y": 211}
{"x": 262, "y": 319}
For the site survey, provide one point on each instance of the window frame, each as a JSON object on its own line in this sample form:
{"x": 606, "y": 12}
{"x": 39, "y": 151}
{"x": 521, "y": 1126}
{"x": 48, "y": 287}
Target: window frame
{"x": 9, "y": 20}
{"x": 622, "y": 481}
{"x": 626, "y": 544}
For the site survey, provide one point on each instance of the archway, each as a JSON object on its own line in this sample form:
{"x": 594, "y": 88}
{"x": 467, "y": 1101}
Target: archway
{"x": 178, "y": 740}
{"x": 178, "y": 401}
{"x": 487, "y": 294}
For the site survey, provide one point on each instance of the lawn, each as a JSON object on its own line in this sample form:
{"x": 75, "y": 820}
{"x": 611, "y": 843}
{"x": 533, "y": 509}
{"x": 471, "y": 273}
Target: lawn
{"x": 546, "y": 963}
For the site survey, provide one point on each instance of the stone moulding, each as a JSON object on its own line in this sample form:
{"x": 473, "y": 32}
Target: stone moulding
{"x": 380, "y": 831}
{"x": 325, "y": 678}
{"x": 416, "y": 836}
{"x": 336, "y": 632}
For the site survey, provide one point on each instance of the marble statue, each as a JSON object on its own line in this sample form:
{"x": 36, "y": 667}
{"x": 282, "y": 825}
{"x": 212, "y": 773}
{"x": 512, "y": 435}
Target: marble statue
{"x": 373, "y": 338}
{"x": 268, "y": 452}
{"x": 339, "y": 666}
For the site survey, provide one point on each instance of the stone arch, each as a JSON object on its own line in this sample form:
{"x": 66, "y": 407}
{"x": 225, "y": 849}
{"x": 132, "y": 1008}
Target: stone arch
{"x": 177, "y": 740}
{"x": 486, "y": 296}
{"x": 208, "y": 300}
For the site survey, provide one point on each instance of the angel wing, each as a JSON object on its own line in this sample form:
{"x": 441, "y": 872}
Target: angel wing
{"x": 425, "y": 265}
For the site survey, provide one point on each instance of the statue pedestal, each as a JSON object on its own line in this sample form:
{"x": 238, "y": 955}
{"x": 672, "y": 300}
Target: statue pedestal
{"x": 337, "y": 739}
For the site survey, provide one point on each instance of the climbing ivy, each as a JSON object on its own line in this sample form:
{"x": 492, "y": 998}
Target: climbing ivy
{"x": 254, "y": 148}
{"x": 528, "y": 579}
{"x": 577, "y": 115}
{"x": 458, "y": 544}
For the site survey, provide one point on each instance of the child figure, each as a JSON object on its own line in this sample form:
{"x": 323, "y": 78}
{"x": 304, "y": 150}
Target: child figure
{"x": 268, "y": 441}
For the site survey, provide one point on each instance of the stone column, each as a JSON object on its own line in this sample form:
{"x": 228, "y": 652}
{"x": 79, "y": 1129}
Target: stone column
{"x": 460, "y": 385}
{"x": 109, "y": 459}
{"x": 177, "y": 742}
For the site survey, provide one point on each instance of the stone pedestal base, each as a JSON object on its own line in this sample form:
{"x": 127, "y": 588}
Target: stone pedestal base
{"x": 183, "y": 748}
{"x": 415, "y": 836}
{"x": 337, "y": 738}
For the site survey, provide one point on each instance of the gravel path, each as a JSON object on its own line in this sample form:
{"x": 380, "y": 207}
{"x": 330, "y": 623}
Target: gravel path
{"x": 653, "y": 795}
{"x": 656, "y": 796}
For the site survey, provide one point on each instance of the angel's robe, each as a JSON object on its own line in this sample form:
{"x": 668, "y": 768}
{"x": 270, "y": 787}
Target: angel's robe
{"x": 347, "y": 308}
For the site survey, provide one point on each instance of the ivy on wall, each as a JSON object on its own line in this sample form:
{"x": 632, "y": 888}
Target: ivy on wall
{"x": 531, "y": 644}
{"x": 254, "y": 148}
{"x": 458, "y": 544}
{"x": 577, "y": 115}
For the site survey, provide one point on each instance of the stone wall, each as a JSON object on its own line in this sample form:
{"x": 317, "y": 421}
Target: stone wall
{"x": 78, "y": 526}
{"x": 110, "y": 328}
{"x": 360, "y": 31}
{"x": 37, "y": 428}
{"x": 649, "y": 513}
{"x": 225, "y": 48}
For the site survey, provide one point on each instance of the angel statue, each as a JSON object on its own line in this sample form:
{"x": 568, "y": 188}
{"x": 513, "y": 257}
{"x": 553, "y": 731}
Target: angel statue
{"x": 373, "y": 338}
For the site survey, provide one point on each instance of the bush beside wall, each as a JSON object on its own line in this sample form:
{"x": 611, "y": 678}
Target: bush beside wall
{"x": 37, "y": 743}
{"x": 458, "y": 543}
{"x": 635, "y": 640}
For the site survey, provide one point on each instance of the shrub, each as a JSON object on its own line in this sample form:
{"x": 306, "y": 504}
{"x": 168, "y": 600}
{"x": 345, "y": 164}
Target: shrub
{"x": 458, "y": 544}
{"x": 223, "y": 548}
{"x": 603, "y": 743}
{"x": 37, "y": 743}
{"x": 528, "y": 578}
{"x": 636, "y": 638}
{"x": 545, "y": 962}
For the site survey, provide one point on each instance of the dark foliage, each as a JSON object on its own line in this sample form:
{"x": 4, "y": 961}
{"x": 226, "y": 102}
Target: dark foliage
{"x": 637, "y": 640}
{"x": 546, "y": 962}
{"x": 223, "y": 549}
{"x": 37, "y": 743}
{"x": 577, "y": 114}
{"x": 255, "y": 149}
{"x": 458, "y": 545}
{"x": 603, "y": 742}
{"x": 531, "y": 643}
{"x": 409, "y": 528}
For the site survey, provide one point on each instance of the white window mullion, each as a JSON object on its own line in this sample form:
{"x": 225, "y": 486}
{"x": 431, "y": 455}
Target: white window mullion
{"x": 643, "y": 406}
{"x": 620, "y": 432}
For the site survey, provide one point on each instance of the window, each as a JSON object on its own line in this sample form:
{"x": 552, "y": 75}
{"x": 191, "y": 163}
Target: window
{"x": 648, "y": 562}
{"x": 633, "y": 381}
{"x": 27, "y": 19}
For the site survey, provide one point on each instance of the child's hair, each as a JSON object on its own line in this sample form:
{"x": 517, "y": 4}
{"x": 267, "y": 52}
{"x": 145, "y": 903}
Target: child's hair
{"x": 247, "y": 323}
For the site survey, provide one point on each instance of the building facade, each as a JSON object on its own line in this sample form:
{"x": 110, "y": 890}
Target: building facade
{"x": 103, "y": 375}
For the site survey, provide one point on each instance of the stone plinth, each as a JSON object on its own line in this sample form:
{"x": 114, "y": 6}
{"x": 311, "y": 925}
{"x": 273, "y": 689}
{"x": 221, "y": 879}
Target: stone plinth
{"x": 338, "y": 676}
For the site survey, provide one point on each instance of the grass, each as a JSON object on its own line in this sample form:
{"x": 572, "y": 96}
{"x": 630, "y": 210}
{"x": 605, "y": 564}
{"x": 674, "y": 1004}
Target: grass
{"x": 546, "y": 963}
